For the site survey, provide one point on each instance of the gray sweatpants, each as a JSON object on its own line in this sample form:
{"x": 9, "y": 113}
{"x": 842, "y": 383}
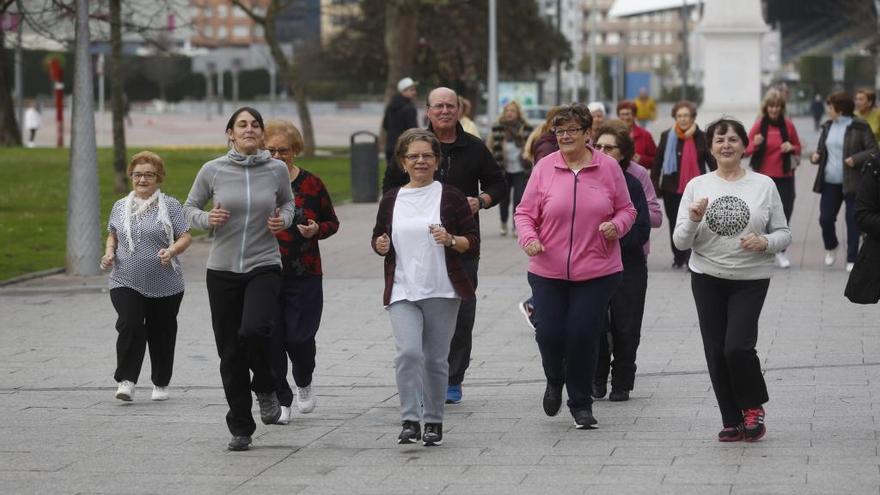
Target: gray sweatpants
{"x": 422, "y": 333}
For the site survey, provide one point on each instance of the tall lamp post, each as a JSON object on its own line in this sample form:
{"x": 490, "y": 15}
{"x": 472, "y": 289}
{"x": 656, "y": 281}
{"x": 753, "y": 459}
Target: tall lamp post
{"x": 492, "y": 104}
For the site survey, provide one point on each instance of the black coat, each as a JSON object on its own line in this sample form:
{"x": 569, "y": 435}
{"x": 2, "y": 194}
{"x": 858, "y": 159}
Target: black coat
{"x": 858, "y": 143}
{"x": 668, "y": 184}
{"x": 400, "y": 115}
{"x": 863, "y": 286}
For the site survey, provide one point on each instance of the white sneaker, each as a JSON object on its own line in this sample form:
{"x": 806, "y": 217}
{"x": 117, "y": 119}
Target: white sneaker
{"x": 305, "y": 399}
{"x": 125, "y": 391}
{"x": 285, "y": 416}
{"x": 830, "y": 257}
{"x": 849, "y": 266}
{"x": 160, "y": 393}
{"x": 782, "y": 260}
{"x": 503, "y": 228}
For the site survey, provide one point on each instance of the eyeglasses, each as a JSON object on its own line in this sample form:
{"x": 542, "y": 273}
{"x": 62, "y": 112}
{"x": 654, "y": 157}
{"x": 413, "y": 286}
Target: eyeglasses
{"x": 144, "y": 175}
{"x": 442, "y": 106}
{"x": 414, "y": 157}
{"x": 606, "y": 147}
{"x": 570, "y": 131}
{"x": 278, "y": 151}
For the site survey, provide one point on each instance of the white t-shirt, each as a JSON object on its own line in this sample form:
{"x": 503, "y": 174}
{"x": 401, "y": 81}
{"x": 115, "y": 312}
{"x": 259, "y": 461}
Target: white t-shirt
{"x": 750, "y": 204}
{"x": 512, "y": 158}
{"x": 420, "y": 268}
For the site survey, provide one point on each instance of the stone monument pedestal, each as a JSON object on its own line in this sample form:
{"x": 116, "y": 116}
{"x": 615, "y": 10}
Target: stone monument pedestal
{"x": 730, "y": 33}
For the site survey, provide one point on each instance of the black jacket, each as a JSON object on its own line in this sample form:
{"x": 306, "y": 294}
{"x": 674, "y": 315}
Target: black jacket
{"x": 400, "y": 115}
{"x": 858, "y": 143}
{"x": 668, "y": 184}
{"x": 632, "y": 244}
{"x": 466, "y": 164}
{"x": 863, "y": 286}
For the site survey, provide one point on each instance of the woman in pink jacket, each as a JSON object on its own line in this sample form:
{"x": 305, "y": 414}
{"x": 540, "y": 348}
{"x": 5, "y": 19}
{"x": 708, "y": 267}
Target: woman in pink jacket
{"x": 574, "y": 210}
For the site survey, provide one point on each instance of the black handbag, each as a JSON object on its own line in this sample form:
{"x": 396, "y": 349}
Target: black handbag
{"x": 863, "y": 286}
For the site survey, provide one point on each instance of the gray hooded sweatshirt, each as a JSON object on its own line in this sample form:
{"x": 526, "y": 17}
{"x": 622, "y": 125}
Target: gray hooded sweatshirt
{"x": 250, "y": 187}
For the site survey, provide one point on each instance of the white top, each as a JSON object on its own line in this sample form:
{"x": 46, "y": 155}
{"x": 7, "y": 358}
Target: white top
{"x": 420, "y": 268}
{"x": 748, "y": 204}
{"x": 512, "y": 158}
{"x": 31, "y": 118}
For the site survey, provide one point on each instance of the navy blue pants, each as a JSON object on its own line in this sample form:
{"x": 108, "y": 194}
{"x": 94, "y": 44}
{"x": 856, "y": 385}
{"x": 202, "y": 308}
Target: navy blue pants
{"x": 300, "y": 304}
{"x": 829, "y": 206}
{"x": 572, "y": 320}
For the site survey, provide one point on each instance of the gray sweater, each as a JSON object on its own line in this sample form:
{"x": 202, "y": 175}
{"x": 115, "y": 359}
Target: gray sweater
{"x": 749, "y": 204}
{"x": 250, "y": 187}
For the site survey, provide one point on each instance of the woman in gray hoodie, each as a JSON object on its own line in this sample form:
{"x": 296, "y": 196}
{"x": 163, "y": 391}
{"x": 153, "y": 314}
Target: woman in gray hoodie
{"x": 251, "y": 200}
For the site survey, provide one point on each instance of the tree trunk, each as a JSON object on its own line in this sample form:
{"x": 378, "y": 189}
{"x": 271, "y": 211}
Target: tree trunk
{"x": 120, "y": 181}
{"x": 401, "y": 41}
{"x": 9, "y": 131}
{"x": 83, "y": 200}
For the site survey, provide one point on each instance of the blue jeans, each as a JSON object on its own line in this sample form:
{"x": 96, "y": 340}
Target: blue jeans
{"x": 829, "y": 206}
{"x": 572, "y": 320}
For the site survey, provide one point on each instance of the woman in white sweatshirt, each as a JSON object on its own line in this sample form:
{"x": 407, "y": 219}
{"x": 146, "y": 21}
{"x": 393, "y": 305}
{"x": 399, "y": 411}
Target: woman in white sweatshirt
{"x": 733, "y": 221}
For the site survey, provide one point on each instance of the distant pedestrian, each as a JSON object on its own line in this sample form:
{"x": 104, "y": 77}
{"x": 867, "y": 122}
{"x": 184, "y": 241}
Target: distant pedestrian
{"x": 645, "y": 149}
{"x": 845, "y": 144}
{"x": 597, "y": 111}
{"x": 817, "y": 110}
{"x": 251, "y": 201}
{"x": 507, "y": 140}
{"x": 682, "y": 155}
{"x": 542, "y": 140}
{"x": 147, "y": 233}
{"x": 733, "y": 220}
{"x": 646, "y": 108}
{"x": 775, "y": 151}
{"x": 865, "y": 101}
{"x": 400, "y": 115}
{"x": 466, "y": 164}
{"x": 575, "y": 208}
{"x": 627, "y": 306}
{"x": 32, "y": 121}
{"x": 464, "y": 117}
{"x": 422, "y": 229}
{"x": 126, "y": 109}
{"x": 301, "y": 299}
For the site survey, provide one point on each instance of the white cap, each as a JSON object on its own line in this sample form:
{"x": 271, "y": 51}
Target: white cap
{"x": 596, "y": 105}
{"x": 404, "y": 83}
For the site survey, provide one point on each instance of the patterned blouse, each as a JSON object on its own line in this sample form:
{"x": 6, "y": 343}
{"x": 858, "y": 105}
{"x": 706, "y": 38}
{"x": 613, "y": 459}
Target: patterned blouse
{"x": 300, "y": 257}
{"x": 141, "y": 269}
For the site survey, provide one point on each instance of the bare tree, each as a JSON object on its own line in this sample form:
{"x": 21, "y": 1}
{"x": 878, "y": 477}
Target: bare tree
{"x": 9, "y": 131}
{"x": 289, "y": 67}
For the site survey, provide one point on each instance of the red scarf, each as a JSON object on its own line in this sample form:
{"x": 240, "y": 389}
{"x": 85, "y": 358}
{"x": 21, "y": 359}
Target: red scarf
{"x": 688, "y": 168}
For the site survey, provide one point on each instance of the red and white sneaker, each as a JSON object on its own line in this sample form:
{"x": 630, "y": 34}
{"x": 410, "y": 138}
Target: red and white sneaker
{"x": 753, "y": 424}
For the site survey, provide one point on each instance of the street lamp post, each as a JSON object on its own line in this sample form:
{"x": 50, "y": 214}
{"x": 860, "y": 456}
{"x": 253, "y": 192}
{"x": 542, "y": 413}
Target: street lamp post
{"x": 492, "y": 103}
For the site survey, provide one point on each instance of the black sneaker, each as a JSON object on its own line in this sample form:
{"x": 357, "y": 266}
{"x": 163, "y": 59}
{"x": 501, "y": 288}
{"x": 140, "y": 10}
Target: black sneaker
{"x": 239, "y": 443}
{"x": 552, "y": 399}
{"x": 411, "y": 432}
{"x": 753, "y": 424}
{"x": 433, "y": 434}
{"x": 731, "y": 433}
{"x": 583, "y": 419}
{"x": 599, "y": 390}
{"x": 618, "y": 395}
{"x": 270, "y": 408}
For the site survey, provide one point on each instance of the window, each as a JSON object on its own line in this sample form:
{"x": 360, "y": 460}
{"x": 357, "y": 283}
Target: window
{"x": 209, "y": 31}
{"x": 222, "y": 32}
{"x": 613, "y": 38}
{"x": 222, "y": 11}
{"x": 208, "y": 11}
{"x": 238, "y": 13}
{"x": 240, "y": 31}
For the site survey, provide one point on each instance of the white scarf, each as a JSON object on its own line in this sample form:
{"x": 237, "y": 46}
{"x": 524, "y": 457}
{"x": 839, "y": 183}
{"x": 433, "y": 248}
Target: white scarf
{"x": 135, "y": 208}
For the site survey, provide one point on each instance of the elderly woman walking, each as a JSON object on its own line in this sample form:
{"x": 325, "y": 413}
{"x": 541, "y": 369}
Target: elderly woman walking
{"x": 734, "y": 221}
{"x": 422, "y": 229}
{"x": 147, "y": 233}
{"x": 575, "y": 209}
{"x": 507, "y": 143}
{"x": 301, "y": 300}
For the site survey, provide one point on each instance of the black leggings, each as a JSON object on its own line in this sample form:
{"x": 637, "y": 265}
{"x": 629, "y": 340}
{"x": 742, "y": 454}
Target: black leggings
{"x": 728, "y": 311}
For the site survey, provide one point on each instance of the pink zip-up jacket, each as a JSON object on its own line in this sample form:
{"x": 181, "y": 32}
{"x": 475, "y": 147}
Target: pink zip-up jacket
{"x": 563, "y": 210}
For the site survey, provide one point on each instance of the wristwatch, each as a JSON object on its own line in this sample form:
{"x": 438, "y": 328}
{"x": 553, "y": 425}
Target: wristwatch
{"x": 452, "y": 244}
{"x": 481, "y": 201}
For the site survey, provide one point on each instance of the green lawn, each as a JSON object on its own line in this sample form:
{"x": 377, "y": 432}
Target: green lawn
{"x": 33, "y": 197}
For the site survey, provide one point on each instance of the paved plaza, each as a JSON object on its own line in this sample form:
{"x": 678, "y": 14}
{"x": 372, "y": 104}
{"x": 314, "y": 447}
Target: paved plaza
{"x": 63, "y": 432}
